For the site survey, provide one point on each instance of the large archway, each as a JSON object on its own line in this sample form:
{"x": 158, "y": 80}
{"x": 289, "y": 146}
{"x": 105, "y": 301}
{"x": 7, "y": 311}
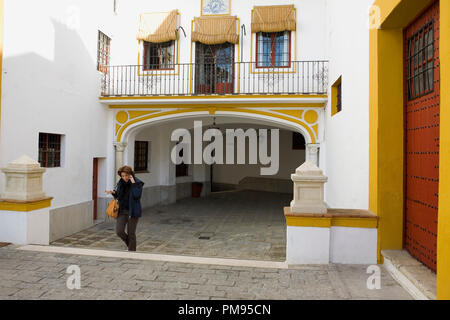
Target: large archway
{"x": 239, "y": 212}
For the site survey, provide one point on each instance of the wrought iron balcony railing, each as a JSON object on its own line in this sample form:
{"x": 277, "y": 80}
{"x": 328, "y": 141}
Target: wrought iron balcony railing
{"x": 191, "y": 79}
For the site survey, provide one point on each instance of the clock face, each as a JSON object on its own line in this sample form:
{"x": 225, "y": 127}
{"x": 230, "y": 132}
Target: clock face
{"x": 213, "y": 7}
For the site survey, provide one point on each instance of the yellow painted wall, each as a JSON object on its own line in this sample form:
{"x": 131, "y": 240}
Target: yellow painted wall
{"x": 443, "y": 247}
{"x": 334, "y": 93}
{"x": 386, "y": 135}
{"x": 386, "y": 128}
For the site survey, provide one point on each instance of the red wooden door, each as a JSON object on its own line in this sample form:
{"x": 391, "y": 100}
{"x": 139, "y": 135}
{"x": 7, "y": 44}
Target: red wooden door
{"x": 95, "y": 186}
{"x": 422, "y": 107}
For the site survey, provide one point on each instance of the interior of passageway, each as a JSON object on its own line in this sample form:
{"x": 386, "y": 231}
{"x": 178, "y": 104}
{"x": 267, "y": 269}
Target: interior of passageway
{"x": 242, "y": 224}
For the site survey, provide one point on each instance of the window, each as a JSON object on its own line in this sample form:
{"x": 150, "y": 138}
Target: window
{"x": 103, "y": 52}
{"x": 336, "y": 97}
{"x": 298, "y": 141}
{"x": 159, "y": 56}
{"x": 421, "y": 62}
{"x": 339, "y": 97}
{"x": 49, "y": 150}
{"x": 140, "y": 156}
{"x": 181, "y": 170}
{"x": 214, "y": 68}
{"x": 273, "y": 49}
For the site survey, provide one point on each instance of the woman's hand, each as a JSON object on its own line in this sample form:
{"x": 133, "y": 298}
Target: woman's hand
{"x": 110, "y": 191}
{"x": 132, "y": 179}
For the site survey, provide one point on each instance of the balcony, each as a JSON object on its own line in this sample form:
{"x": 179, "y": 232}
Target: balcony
{"x": 216, "y": 80}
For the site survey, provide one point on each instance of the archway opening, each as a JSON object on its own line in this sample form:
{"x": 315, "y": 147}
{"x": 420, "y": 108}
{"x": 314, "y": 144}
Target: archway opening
{"x": 238, "y": 211}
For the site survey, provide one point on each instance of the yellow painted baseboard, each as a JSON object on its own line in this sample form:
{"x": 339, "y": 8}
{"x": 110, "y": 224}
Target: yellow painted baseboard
{"x": 338, "y": 219}
{"x": 25, "y": 206}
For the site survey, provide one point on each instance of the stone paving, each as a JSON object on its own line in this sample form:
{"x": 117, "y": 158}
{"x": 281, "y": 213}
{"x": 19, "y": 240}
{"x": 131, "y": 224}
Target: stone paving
{"x": 37, "y": 275}
{"x": 241, "y": 225}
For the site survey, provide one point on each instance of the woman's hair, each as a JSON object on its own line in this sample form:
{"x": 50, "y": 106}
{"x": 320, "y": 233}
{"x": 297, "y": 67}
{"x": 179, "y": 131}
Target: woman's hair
{"x": 126, "y": 169}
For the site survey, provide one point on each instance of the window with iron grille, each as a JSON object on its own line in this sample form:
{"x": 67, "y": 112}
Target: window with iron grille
{"x": 298, "y": 141}
{"x": 103, "y": 52}
{"x": 421, "y": 62}
{"x": 339, "y": 97}
{"x": 181, "y": 170}
{"x": 49, "y": 150}
{"x": 214, "y": 68}
{"x": 159, "y": 56}
{"x": 140, "y": 156}
{"x": 273, "y": 49}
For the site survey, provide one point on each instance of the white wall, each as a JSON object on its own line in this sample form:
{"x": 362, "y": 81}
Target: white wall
{"x": 345, "y": 156}
{"x": 50, "y": 84}
{"x": 289, "y": 160}
{"x": 159, "y": 135}
{"x": 311, "y": 27}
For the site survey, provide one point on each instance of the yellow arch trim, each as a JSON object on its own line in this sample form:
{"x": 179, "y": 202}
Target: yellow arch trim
{"x": 137, "y": 114}
{"x": 264, "y": 113}
{"x": 293, "y": 113}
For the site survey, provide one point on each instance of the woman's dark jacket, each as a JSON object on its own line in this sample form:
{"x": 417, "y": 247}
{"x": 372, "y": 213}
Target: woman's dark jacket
{"x": 134, "y": 204}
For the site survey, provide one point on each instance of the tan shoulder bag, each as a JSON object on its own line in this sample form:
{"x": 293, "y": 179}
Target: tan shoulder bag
{"x": 113, "y": 208}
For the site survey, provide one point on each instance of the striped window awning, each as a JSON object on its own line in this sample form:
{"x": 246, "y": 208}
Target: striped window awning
{"x": 215, "y": 30}
{"x": 274, "y": 18}
{"x": 158, "y": 27}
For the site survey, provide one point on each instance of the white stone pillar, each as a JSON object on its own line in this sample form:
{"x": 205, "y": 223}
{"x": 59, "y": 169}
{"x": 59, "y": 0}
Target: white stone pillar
{"x": 120, "y": 150}
{"x": 308, "y": 237}
{"x": 24, "y": 207}
{"x": 309, "y": 182}
{"x": 312, "y": 153}
{"x": 23, "y": 180}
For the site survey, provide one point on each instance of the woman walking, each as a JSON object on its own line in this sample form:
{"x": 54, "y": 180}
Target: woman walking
{"x": 128, "y": 193}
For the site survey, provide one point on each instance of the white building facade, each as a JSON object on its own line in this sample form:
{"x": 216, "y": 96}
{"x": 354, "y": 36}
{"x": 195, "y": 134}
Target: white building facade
{"x": 306, "y": 73}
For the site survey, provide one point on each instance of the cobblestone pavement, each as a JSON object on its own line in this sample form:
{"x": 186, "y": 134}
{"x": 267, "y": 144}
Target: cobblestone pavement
{"x": 240, "y": 225}
{"x": 37, "y": 275}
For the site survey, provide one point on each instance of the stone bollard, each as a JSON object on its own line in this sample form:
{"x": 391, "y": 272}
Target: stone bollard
{"x": 24, "y": 207}
{"x": 307, "y": 221}
{"x": 309, "y": 182}
{"x": 23, "y": 181}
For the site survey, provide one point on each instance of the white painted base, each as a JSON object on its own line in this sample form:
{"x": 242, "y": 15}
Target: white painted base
{"x": 312, "y": 245}
{"x": 25, "y": 227}
{"x": 353, "y": 245}
{"x": 157, "y": 257}
{"x": 307, "y": 245}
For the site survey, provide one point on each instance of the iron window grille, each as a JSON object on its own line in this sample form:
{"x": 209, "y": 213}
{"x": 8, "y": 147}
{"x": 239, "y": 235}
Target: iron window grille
{"x": 141, "y": 156}
{"x": 159, "y": 56}
{"x": 339, "y": 97}
{"x": 273, "y": 49}
{"x": 103, "y": 52}
{"x": 49, "y": 150}
{"x": 420, "y": 62}
{"x": 214, "y": 68}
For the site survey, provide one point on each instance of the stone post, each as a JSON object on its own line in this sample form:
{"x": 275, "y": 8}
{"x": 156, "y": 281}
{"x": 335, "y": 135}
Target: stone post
{"x": 120, "y": 149}
{"x": 23, "y": 181}
{"x": 24, "y": 207}
{"x": 312, "y": 153}
{"x": 309, "y": 184}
